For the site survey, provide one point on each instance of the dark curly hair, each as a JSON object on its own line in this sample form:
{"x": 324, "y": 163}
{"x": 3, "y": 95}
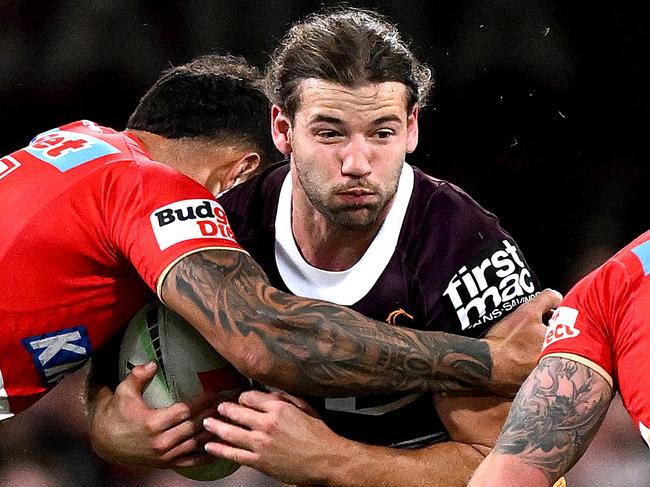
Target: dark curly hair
{"x": 216, "y": 97}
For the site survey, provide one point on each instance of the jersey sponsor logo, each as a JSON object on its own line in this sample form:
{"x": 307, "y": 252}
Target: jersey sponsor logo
{"x": 8, "y": 165}
{"x": 645, "y": 433}
{"x": 491, "y": 286}
{"x": 59, "y": 353}
{"x": 399, "y": 317}
{"x": 5, "y": 412}
{"x": 561, "y": 325}
{"x": 67, "y": 150}
{"x": 189, "y": 219}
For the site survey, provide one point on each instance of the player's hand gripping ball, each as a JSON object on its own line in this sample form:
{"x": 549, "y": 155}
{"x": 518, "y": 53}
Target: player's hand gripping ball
{"x": 187, "y": 366}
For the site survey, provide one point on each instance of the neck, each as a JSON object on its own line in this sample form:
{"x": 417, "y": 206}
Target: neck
{"x": 323, "y": 244}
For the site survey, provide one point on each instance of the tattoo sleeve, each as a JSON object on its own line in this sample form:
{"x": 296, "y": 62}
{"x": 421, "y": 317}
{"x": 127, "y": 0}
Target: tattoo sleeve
{"x": 555, "y": 416}
{"x": 306, "y": 345}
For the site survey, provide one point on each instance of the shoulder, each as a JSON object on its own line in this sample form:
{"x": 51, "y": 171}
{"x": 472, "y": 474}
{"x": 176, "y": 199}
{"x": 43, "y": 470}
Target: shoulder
{"x": 625, "y": 277}
{"x": 448, "y": 221}
{"x": 85, "y": 151}
{"x": 437, "y": 197}
{"x": 621, "y": 276}
{"x": 457, "y": 251}
{"x": 635, "y": 257}
{"x": 257, "y": 197}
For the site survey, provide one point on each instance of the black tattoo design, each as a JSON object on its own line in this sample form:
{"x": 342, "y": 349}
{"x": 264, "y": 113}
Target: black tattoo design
{"x": 555, "y": 416}
{"x": 323, "y": 348}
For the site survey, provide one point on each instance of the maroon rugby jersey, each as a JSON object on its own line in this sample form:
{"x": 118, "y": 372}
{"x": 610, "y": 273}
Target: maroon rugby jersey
{"x": 439, "y": 262}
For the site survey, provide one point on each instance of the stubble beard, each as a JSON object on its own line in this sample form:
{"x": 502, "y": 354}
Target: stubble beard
{"x": 353, "y": 218}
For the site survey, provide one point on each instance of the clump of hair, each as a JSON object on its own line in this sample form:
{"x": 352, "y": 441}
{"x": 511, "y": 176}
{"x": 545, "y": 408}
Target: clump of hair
{"x": 216, "y": 97}
{"x": 346, "y": 46}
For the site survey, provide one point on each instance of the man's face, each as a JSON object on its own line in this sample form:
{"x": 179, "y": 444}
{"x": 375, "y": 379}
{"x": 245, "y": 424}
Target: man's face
{"x": 347, "y": 148}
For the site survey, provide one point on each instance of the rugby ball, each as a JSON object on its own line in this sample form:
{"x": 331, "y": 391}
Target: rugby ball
{"x": 187, "y": 366}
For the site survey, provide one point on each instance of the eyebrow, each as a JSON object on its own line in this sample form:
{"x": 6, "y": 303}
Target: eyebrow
{"x": 387, "y": 118}
{"x": 327, "y": 119}
{"x": 337, "y": 121}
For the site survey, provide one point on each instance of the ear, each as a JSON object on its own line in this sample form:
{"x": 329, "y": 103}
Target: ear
{"x": 412, "y": 129}
{"x": 241, "y": 170}
{"x": 281, "y": 130}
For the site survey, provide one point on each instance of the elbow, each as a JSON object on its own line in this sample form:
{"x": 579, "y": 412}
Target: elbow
{"x": 256, "y": 364}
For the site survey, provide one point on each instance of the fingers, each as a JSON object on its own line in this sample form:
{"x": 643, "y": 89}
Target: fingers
{"x": 540, "y": 307}
{"x": 138, "y": 379}
{"x": 186, "y": 438}
{"x": 298, "y": 402}
{"x": 244, "y": 415}
{"x": 546, "y": 300}
{"x": 259, "y": 400}
{"x": 244, "y": 420}
{"x": 191, "y": 452}
{"x": 535, "y": 309}
{"x": 229, "y": 452}
{"x": 237, "y": 445}
{"x": 180, "y": 418}
{"x": 195, "y": 410}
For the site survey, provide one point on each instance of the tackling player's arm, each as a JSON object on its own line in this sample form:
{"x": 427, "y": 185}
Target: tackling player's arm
{"x": 299, "y": 344}
{"x": 553, "y": 419}
{"x": 309, "y": 346}
{"x": 275, "y": 437}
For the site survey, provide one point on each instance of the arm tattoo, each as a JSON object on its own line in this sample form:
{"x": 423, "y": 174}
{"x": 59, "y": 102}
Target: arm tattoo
{"x": 555, "y": 416}
{"x": 325, "y": 348}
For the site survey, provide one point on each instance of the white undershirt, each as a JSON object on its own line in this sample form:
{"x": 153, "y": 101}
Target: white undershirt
{"x": 340, "y": 287}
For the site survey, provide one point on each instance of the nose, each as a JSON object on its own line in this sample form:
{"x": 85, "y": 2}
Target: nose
{"x": 355, "y": 157}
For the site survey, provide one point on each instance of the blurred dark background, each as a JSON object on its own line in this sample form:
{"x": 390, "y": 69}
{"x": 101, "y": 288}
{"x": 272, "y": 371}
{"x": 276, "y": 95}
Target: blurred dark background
{"x": 540, "y": 110}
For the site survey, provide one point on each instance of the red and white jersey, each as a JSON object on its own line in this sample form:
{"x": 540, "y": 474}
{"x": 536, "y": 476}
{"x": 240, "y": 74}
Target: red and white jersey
{"x": 604, "y": 323}
{"x": 90, "y": 225}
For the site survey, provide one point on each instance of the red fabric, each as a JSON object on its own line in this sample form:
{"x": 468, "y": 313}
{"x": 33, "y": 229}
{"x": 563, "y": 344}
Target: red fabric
{"x": 79, "y": 252}
{"x": 612, "y": 326}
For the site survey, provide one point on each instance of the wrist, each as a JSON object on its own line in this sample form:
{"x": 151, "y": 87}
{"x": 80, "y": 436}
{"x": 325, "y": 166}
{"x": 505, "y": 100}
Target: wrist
{"x": 339, "y": 465}
{"x": 502, "y": 381}
{"x": 97, "y": 401}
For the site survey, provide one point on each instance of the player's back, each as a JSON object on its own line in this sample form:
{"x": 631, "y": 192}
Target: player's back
{"x": 51, "y": 223}
{"x": 57, "y": 291}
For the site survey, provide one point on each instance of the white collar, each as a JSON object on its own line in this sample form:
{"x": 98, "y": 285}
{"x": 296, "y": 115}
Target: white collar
{"x": 341, "y": 287}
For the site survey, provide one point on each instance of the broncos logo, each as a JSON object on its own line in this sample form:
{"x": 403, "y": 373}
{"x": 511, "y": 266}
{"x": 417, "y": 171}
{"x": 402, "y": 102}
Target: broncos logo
{"x": 399, "y": 317}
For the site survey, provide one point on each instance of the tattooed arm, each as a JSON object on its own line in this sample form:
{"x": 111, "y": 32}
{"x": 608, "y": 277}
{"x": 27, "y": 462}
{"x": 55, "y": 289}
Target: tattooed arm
{"x": 301, "y": 345}
{"x": 553, "y": 419}
{"x": 309, "y": 346}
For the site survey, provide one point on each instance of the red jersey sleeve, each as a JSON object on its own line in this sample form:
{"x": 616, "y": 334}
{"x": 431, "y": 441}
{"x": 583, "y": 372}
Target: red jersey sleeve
{"x": 155, "y": 216}
{"x": 583, "y": 325}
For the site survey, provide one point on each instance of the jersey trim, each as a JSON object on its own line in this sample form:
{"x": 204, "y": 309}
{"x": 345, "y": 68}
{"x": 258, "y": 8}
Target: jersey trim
{"x": 166, "y": 270}
{"x": 341, "y": 287}
{"x": 645, "y": 433}
{"x": 586, "y": 362}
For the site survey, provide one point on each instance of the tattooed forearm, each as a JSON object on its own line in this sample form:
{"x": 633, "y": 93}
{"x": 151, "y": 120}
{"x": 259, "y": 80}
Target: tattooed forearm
{"x": 555, "y": 416}
{"x": 312, "y": 346}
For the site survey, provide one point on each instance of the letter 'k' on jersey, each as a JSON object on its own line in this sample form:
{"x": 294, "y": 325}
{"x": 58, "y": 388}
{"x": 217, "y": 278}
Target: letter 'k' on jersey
{"x": 90, "y": 225}
{"x": 439, "y": 262}
{"x": 604, "y": 323}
